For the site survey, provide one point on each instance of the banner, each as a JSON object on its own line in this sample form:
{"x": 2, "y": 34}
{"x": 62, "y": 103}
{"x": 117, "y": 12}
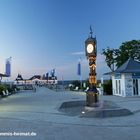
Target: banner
{"x": 8, "y": 67}
{"x": 47, "y": 75}
{"x": 53, "y": 73}
{"x": 79, "y": 69}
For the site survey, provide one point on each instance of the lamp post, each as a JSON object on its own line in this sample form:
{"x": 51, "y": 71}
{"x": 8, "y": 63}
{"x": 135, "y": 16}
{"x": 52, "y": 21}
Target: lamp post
{"x": 91, "y": 53}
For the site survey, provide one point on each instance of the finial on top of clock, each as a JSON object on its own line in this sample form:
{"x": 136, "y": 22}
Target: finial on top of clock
{"x": 91, "y": 31}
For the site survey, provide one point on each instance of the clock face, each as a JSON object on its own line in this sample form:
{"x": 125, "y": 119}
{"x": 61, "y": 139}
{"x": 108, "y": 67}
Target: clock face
{"x": 90, "y": 48}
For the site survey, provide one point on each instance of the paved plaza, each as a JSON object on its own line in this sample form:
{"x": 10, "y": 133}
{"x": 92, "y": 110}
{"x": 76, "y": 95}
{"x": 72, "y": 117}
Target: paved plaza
{"x": 37, "y": 115}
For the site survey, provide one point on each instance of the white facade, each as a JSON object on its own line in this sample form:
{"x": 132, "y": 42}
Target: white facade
{"x": 125, "y": 84}
{"x": 35, "y": 81}
{"x": 44, "y": 82}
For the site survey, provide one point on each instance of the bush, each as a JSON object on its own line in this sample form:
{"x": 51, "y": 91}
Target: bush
{"x": 108, "y": 87}
{"x": 2, "y": 87}
{"x": 75, "y": 84}
{"x": 10, "y": 88}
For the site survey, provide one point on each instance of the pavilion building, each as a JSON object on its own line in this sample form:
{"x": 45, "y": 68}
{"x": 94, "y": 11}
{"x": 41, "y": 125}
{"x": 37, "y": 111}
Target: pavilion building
{"x": 126, "y": 79}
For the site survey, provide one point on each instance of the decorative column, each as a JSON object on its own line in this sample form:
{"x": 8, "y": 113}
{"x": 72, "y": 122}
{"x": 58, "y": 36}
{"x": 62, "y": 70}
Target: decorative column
{"x": 91, "y": 53}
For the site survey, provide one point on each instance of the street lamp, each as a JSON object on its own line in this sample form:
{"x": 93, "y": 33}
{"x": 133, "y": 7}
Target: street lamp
{"x": 91, "y": 53}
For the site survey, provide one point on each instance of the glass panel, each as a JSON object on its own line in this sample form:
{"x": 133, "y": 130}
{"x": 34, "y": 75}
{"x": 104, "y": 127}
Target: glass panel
{"x": 135, "y": 86}
{"x": 119, "y": 86}
{"x": 116, "y": 87}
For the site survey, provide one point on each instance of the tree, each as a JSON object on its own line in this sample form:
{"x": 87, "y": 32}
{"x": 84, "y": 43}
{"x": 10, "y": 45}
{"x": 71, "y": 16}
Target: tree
{"x": 109, "y": 57}
{"x": 128, "y": 49}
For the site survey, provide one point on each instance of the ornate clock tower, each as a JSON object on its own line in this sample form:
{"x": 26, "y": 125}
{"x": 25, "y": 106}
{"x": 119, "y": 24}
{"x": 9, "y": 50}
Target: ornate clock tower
{"x": 91, "y": 53}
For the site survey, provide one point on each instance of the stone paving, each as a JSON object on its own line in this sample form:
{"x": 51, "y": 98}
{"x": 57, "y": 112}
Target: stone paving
{"x": 38, "y": 114}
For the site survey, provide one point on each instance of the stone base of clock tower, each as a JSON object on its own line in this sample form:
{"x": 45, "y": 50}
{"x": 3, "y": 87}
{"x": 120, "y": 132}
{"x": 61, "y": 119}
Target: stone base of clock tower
{"x": 92, "y": 98}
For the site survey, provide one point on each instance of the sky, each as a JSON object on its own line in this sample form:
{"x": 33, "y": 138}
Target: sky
{"x": 41, "y": 35}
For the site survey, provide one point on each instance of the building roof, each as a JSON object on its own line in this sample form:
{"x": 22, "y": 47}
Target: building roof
{"x": 19, "y": 77}
{"x": 3, "y": 75}
{"x": 130, "y": 66}
{"x": 35, "y": 77}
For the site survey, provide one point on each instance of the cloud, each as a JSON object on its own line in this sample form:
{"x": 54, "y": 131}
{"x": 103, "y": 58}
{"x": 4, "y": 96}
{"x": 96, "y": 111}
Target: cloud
{"x": 100, "y": 58}
{"x": 69, "y": 71}
{"x": 78, "y": 53}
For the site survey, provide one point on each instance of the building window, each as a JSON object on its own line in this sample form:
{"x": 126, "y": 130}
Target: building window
{"x": 118, "y": 86}
{"x": 135, "y": 86}
{"x": 119, "y": 81}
